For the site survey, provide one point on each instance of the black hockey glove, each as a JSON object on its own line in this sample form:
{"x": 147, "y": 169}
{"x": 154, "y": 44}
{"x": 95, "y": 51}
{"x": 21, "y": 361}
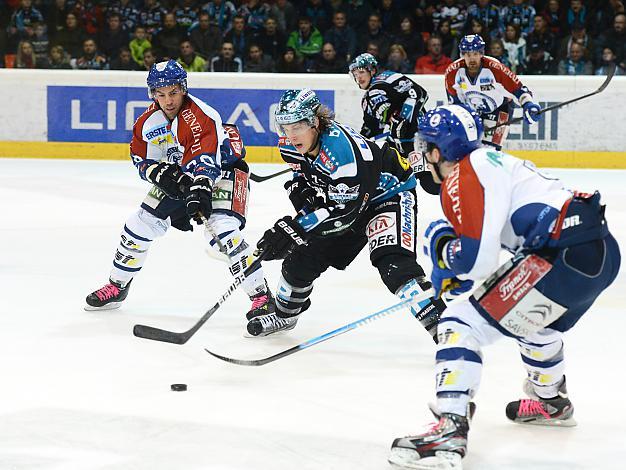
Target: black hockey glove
{"x": 169, "y": 178}
{"x": 199, "y": 198}
{"x": 302, "y": 195}
{"x": 283, "y": 237}
{"x": 402, "y": 134}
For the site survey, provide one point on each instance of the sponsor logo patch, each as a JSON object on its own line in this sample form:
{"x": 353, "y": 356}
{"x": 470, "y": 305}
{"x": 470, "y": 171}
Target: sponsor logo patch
{"x": 343, "y": 193}
{"x": 381, "y": 231}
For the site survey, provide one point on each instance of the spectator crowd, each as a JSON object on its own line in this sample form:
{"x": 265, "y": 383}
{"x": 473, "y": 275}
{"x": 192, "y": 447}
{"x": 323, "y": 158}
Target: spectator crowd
{"x": 533, "y": 37}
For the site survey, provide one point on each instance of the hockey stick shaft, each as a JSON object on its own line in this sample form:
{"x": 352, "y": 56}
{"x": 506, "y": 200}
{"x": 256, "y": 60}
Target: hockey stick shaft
{"x": 260, "y": 179}
{"x": 166, "y": 336}
{"x": 326, "y": 336}
{"x": 607, "y": 80}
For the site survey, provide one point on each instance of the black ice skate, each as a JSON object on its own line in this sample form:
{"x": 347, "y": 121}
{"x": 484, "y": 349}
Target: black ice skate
{"x": 262, "y": 304}
{"x": 264, "y": 325}
{"x": 108, "y": 297}
{"x": 440, "y": 448}
{"x": 557, "y": 411}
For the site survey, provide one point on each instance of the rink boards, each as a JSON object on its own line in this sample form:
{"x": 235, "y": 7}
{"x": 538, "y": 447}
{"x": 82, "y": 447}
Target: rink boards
{"x": 89, "y": 114}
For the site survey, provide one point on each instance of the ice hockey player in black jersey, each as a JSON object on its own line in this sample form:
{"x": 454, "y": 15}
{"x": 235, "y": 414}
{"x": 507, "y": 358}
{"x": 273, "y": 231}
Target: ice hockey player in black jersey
{"x": 354, "y": 192}
{"x": 392, "y": 103}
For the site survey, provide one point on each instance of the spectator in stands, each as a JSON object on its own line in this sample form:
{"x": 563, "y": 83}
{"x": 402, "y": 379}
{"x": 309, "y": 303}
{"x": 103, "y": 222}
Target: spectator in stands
{"x": 342, "y": 36}
{"x": 149, "y": 59}
{"x": 306, "y": 41}
{"x": 453, "y": 11}
{"x": 397, "y": 60}
{"x": 188, "y": 58}
{"x": 58, "y": 59}
{"x": 576, "y": 13}
{"x": 448, "y": 41}
{"x": 271, "y": 40}
{"x": 555, "y": 18}
{"x": 22, "y": 22}
{"x": 358, "y": 12}
{"x": 410, "y": 39}
{"x": 538, "y": 61}
{"x": 435, "y": 62}
{"x": 238, "y": 36}
{"x": 488, "y": 14}
{"x": 139, "y": 44}
{"x": 319, "y": 13}
{"x": 90, "y": 59}
{"x": 151, "y": 17}
{"x": 113, "y": 38}
{"x": 372, "y": 48}
{"x": 289, "y": 63}
{"x": 90, "y": 15}
{"x": 514, "y": 45}
{"x": 40, "y": 42}
{"x": 389, "y": 15}
{"x": 222, "y": 13}
{"x": 605, "y": 15}
{"x": 609, "y": 59}
{"x": 128, "y": 13}
{"x": 257, "y": 61}
{"x": 186, "y": 14}
{"x": 575, "y": 64}
{"x": 226, "y": 61}
{"x": 286, "y": 15}
{"x": 124, "y": 60}
{"x": 521, "y": 15}
{"x": 55, "y": 17}
{"x": 615, "y": 39}
{"x": 375, "y": 33}
{"x": 497, "y": 51}
{"x": 205, "y": 37}
{"x": 330, "y": 62}
{"x": 579, "y": 36}
{"x": 25, "y": 57}
{"x": 254, "y": 13}
{"x": 167, "y": 40}
{"x": 542, "y": 35}
{"x": 71, "y": 37}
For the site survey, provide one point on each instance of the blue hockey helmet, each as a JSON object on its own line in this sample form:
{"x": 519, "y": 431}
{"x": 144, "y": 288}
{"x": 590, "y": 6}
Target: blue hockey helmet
{"x": 166, "y": 74}
{"x": 454, "y": 129}
{"x": 364, "y": 61}
{"x": 470, "y": 43}
{"x": 295, "y": 106}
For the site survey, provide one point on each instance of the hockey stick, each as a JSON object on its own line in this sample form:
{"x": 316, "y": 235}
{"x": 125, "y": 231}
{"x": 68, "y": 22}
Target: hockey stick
{"x": 326, "y": 336}
{"x": 606, "y": 82}
{"x": 260, "y": 179}
{"x": 157, "y": 334}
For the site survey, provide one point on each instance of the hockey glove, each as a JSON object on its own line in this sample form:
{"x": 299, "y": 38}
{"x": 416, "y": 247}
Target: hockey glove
{"x": 283, "y": 237}
{"x": 199, "y": 198}
{"x": 302, "y": 195}
{"x": 169, "y": 178}
{"x": 531, "y": 112}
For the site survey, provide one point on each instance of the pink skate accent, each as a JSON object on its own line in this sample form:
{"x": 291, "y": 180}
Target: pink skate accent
{"x": 531, "y": 407}
{"x": 258, "y": 302}
{"x": 107, "y": 292}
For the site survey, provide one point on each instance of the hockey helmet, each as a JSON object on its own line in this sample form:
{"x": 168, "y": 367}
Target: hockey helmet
{"x": 364, "y": 61}
{"x": 454, "y": 129}
{"x": 166, "y": 74}
{"x": 470, "y": 43}
{"x": 295, "y": 106}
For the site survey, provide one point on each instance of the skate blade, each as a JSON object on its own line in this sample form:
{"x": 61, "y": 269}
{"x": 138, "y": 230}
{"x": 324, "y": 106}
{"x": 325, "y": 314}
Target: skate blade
{"x": 270, "y": 335}
{"x": 111, "y": 306}
{"x": 554, "y": 423}
{"x": 407, "y": 458}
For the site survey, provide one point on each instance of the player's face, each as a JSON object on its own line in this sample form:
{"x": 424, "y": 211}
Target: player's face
{"x": 301, "y": 135}
{"x": 362, "y": 77}
{"x": 472, "y": 61}
{"x": 170, "y": 99}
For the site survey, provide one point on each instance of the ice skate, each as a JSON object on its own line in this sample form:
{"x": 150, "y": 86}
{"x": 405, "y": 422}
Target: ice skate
{"x": 557, "y": 411}
{"x": 108, "y": 297}
{"x": 264, "y": 325}
{"x": 440, "y": 448}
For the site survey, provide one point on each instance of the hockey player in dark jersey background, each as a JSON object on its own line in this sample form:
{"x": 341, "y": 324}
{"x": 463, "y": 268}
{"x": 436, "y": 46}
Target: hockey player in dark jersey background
{"x": 488, "y": 87}
{"x": 392, "y": 101}
{"x": 354, "y": 192}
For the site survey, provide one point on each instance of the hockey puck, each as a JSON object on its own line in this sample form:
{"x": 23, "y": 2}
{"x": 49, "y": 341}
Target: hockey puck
{"x": 178, "y": 387}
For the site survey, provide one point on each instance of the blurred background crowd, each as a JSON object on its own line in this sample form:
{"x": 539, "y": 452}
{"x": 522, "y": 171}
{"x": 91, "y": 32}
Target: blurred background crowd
{"x": 534, "y": 37}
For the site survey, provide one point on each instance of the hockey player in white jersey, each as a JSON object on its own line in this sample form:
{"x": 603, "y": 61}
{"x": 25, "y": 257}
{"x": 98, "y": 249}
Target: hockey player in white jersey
{"x": 196, "y": 165}
{"x": 564, "y": 257}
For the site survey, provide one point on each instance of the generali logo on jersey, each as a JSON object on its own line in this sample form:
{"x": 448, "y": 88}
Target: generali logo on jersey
{"x": 192, "y": 121}
{"x": 452, "y": 190}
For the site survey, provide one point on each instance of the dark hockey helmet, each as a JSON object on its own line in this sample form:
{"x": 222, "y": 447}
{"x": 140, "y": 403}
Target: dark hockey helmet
{"x": 364, "y": 61}
{"x": 454, "y": 129}
{"x": 166, "y": 74}
{"x": 472, "y": 42}
{"x": 295, "y": 106}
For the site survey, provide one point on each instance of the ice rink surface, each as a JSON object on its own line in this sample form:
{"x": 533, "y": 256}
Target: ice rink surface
{"x": 78, "y": 391}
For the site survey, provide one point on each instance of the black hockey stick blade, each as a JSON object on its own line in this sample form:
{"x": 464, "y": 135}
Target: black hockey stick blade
{"x": 260, "y": 179}
{"x": 326, "y": 336}
{"x": 607, "y": 80}
{"x": 166, "y": 336}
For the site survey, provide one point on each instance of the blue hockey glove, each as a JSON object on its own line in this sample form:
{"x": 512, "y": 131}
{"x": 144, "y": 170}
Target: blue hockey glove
{"x": 531, "y": 112}
{"x": 446, "y": 283}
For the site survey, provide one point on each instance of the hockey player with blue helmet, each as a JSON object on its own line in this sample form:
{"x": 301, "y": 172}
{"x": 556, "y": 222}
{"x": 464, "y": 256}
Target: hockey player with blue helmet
{"x": 564, "y": 257}
{"x": 355, "y": 193}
